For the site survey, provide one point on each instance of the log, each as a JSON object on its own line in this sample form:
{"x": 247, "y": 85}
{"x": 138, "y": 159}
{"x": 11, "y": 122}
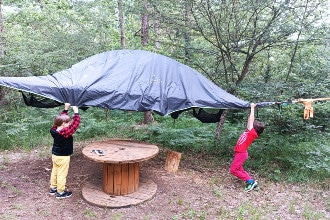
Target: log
{"x": 172, "y": 161}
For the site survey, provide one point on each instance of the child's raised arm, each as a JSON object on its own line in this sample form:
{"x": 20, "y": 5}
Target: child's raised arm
{"x": 249, "y": 125}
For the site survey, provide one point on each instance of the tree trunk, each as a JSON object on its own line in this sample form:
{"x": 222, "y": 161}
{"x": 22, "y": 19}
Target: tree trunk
{"x": 145, "y": 25}
{"x": 122, "y": 24}
{"x": 122, "y": 38}
{"x": 148, "y": 118}
{"x": 187, "y": 37}
{"x": 172, "y": 161}
{"x": 220, "y": 124}
{"x": 2, "y": 39}
{"x": 107, "y": 112}
{"x": 2, "y": 51}
{"x": 156, "y": 29}
{"x": 296, "y": 46}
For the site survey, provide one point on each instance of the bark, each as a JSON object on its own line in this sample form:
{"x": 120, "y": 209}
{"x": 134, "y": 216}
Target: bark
{"x": 2, "y": 39}
{"x": 107, "y": 113}
{"x": 293, "y": 56}
{"x": 122, "y": 24}
{"x": 156, "y": 29}
{"x": 2, "y": 52}
{"x": 296, "y": 45}
{"x": 220, "y": 124}
{"x": 187, "y": 37}
{"x": 148, "y": 118}
{"x": 145, "y": 25}
{"x": 172, "y": 161}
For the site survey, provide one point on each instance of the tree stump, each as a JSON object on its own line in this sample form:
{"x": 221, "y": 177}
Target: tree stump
{"x": 172, "y": 161}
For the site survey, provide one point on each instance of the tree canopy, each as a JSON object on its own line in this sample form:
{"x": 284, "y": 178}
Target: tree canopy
{"x": 258, "y": 50}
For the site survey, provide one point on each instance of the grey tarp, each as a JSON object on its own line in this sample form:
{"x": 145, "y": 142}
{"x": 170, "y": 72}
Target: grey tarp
{"x": 129, "y": 80}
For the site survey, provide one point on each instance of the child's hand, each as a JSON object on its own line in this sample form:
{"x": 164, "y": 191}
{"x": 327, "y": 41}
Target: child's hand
{"x": 252, "y": 105}
{"x": 66, "y": 106}
{"x": 75, "y": 109}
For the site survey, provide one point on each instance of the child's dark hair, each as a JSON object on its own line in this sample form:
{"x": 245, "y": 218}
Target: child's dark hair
{"x": 59, "y": 119}
{"x": 259, "y": 127}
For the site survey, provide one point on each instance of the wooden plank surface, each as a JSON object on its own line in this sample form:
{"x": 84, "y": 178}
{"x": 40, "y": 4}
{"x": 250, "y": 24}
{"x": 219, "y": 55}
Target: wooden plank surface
{"x": 136, "y": 176}
{"x": 117, "y": 180}
{"x": 108, "y": 173}
{"x": 131, "y": 177}
{"x": 121, "y": 151}
{"x": 93, "y": 193}
{"x": 124, "y": 179}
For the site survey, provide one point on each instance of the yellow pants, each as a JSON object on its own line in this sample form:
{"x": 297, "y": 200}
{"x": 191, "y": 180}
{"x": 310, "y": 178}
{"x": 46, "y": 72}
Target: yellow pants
{"x": 59, "y": 172}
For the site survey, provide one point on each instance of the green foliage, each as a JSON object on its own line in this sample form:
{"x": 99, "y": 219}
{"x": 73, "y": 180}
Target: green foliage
{"x": 47, "y": 37}
{"x": 43, "y": 37}
{"x": 291, "y": 157}
{"x": 24, "y": 128}
{"x": 282, "y": 153}
{"x": 181, "y": 134}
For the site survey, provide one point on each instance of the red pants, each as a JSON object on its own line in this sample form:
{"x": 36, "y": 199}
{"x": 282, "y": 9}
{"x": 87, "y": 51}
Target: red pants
{"x": 236, "y": 167}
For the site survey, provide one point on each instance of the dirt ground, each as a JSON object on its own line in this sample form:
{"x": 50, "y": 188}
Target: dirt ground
{"x": 199, "y": 190}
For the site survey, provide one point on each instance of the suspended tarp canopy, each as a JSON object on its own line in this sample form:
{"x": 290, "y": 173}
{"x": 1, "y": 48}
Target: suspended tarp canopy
{"x": 133, "y": 80}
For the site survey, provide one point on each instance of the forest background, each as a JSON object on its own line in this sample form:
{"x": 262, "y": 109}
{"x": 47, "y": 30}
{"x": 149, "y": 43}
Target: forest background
{"x": 257, "y": 50}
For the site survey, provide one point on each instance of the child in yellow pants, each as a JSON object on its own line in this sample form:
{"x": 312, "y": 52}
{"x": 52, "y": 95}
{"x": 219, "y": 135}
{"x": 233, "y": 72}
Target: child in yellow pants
{"x": 62, "y": 132}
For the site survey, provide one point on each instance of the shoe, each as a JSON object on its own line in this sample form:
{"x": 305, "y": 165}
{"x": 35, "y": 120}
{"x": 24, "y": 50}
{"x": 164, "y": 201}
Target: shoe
{"x": 251, "y": 186}
{"x": 52, "y": 191}
{"x": 63, "y": 195}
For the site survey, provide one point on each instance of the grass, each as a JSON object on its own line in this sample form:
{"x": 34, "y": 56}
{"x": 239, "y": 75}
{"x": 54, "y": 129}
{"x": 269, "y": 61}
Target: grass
{"x": 279, "y": 156}
{"x": 180, "y": 201}
{"x": 117, "y": 216}
{"x": 217, "y": 193}
{"x": 4, "y": 184}
{"x": 4, "y": 163}
{"x": 44, "y": 213}
{"x": 90, "y": 214}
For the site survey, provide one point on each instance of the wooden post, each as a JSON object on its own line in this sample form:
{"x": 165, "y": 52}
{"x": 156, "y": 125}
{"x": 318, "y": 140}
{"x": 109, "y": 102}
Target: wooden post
{"x": 172, "y": 161}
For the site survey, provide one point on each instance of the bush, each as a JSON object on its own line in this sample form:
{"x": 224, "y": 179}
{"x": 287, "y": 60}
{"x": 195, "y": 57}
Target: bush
{"x": 290, "y": 148}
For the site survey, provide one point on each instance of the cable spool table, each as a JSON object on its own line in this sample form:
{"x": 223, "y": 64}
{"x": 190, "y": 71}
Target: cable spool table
{"x": 121, "y": 183}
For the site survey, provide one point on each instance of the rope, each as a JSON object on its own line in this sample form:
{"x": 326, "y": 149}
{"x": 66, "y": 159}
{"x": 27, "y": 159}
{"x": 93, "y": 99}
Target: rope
{"x": 308, "y": 110}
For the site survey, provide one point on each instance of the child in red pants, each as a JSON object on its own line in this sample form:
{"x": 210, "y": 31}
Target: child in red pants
{"x": 253, "y": 130}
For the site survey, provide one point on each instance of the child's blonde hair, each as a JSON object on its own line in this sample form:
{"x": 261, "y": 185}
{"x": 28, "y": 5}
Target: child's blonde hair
{"x": 59, "y": 119}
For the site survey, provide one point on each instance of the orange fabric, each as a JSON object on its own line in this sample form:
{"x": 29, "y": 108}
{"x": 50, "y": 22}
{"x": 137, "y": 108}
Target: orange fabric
{"x": 309, "y": 111}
